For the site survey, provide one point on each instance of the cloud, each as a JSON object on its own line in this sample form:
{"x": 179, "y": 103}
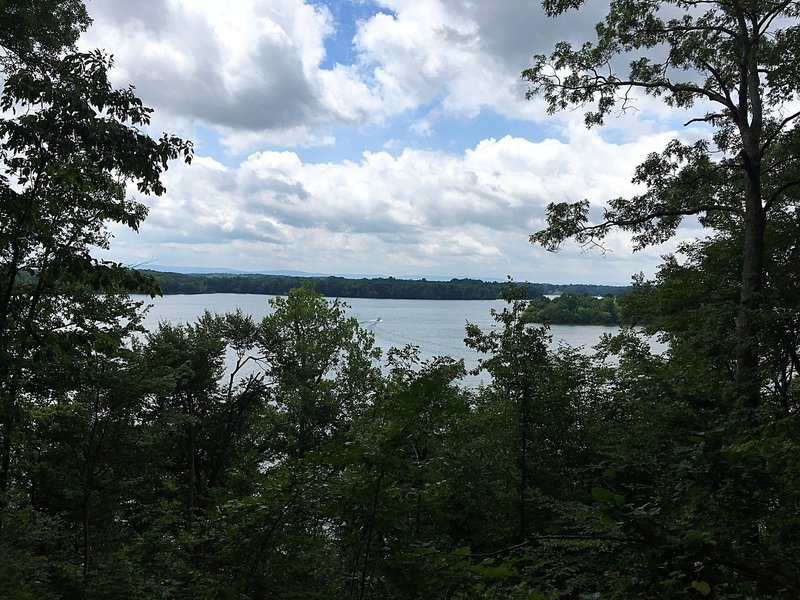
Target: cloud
{"x": 245, "y": 65}
{"x": 416, "y": 213}
{"x": 256, "y": 78}
{"x": 261, "y": 75}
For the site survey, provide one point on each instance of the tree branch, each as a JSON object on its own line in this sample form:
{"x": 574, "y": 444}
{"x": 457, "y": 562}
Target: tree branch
{"x": 774, "y": 196}
{"x": 613, "y": 82}
{"x": 708, "y": 118}
{"x": 691, "y": 28}
{"x": 778, "y": 129}
{"x": 539, "y": 538}
{"x": 662, "y": 213}
{"x": 769, "y": 17}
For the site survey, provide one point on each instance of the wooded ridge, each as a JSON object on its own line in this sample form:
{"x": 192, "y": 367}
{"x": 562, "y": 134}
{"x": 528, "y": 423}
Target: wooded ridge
{"x": 378, "y": 287}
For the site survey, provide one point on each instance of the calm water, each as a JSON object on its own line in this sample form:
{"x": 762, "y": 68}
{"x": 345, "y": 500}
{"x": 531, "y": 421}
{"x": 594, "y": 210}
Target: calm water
{"x": 436, "y": 326}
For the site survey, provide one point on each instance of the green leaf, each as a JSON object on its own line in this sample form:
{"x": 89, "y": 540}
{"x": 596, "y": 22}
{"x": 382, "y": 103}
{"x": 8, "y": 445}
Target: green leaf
{"x": 702, "y": 587}
{"x": 601, "y": 494}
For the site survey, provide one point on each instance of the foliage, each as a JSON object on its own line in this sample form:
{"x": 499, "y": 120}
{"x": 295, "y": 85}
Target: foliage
{"x": 731, "y": 59}
{"x": 571, "y": 309}
{"x": 33, "y": 32}
{"x": 70, "y": 144}
{"x": 333, "y": 287}
{"x": 229, "y": 458}
{"x": 341, "y": 287}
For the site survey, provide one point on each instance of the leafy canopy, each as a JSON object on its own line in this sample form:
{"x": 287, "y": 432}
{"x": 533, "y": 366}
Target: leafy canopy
{"x": 734, "y": 60}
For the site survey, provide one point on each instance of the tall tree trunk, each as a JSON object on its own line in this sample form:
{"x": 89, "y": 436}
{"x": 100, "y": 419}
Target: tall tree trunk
{"x": 5, "y": 468}
{"x": 86, "y": 527}
{"x": 750, "y": 124}
{"x": 8, "y": 424}
{"x": 748, "y": 378}
{"x": 523, "y": 460}
{"x": 192, "y": 484}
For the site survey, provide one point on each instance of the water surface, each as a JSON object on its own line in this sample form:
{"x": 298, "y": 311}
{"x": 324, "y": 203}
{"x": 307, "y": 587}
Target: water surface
{"x": 435, "y": 326}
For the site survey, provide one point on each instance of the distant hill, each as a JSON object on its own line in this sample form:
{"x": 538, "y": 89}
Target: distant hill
{"x": 191, "y": 270}
{"x": 343, "y": 287}
{"x": 226, "y": 270}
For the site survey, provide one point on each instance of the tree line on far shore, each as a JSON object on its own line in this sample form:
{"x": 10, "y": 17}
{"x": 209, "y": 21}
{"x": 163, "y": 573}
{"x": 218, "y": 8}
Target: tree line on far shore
{"x": 377, "y": 287}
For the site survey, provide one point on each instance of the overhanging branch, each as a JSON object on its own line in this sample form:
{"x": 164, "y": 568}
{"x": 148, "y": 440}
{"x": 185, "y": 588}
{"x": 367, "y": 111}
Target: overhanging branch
{"x": 624, "y": 223}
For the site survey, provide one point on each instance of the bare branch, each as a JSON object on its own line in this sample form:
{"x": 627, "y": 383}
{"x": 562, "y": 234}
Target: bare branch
{"x": 708, "y": 118}
{"x": 720, "y": 81}
{"x": 601, "y": 81}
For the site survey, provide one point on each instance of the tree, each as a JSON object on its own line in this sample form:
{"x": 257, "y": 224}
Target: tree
{"x": 202, "y": 406}
{"x": 79, "y": 448}
{"x": 396, "y": 492}
{"x": 69, "y": 145}
{"x": 320, "y": 364}
{"x": 33, "y": 32}
{"x": 521, "y": 370}
{"x": 692, "y": 305}
{"x": 736, "y": 59}
{"x": 538, "y": 446}
{"x": 274, "y": 515}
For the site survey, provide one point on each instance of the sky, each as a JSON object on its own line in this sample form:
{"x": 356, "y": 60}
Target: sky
{"x": 370, "y": 138}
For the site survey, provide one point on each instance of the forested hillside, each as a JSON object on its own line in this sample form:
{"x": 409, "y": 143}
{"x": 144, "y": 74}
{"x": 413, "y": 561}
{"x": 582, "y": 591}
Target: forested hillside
{"x": 290, "y": 458}
{"x": 343, "y": 287}
{"x": 333, "y": 287}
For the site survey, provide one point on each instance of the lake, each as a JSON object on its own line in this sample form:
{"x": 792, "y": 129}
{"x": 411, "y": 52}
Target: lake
{"x": 436, "y": 326}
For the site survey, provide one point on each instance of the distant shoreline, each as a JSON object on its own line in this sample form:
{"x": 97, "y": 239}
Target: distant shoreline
{"x": 376, "y": 287}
